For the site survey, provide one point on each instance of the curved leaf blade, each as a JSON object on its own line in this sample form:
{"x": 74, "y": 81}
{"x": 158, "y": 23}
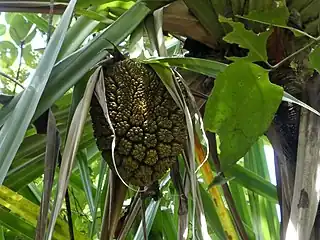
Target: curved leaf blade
{"x": 13, "y": 131}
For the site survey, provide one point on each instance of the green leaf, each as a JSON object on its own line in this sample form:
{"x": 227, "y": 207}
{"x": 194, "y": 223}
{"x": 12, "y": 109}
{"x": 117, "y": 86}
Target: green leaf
{"x": 30, "y": 57}
{"x": 207, "y": 16}
{"x": 30, "y": 36}
{"x": 274, "y": 16}
{"x": 2, "y": 29}
{"x": 241, "y": 108}
{"x": 8, "y": 54}
{"x": 256, "y": 43}
{"x": 314, "y": 58}
{"x": 252, "y": 182}
{"x": 19, "y": 28}
{"x": 14, "y": 129}
{"x": 277, "y": 17}
{"x": 27, "y": 210}
{"x": 16, "y": 224}
{"x": 9, "y": 17}
{"x": 95, "y": 16}
{"x": 203, "y": 66}
{"x": 85, "y": 177}
{"x": 40, "y": 22}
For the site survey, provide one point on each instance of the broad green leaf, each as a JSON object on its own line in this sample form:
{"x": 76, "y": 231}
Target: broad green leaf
{"x": 274, "y": 16}
{"x": 314, "y": 58}
{"x": 14, "y": 129}
{"x": 277, "y": 17}
{"x": 255, "y": 43}
{"x": 8, "y": 54}
{"x": 241, "y": 108}
{"x": 2, "y": 29}
{"x": 30, "y": 57}
{"x": 19, "y": 28}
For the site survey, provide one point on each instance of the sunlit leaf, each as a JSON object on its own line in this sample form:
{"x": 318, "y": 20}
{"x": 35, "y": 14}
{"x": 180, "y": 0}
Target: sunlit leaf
{"x": 255, "y": 43}
{"x": 14, "y": 129}
{"x": 241, "y": 108}
{"x": 8, "y": 54}
{"x": 19, "y": 28}
{"x": 30, "y": 57}
{"x": 30, "y": 36}
{"x": 28, "y": 211}
{"x": 2, "y": 29}
{"x": 9, "y": 16}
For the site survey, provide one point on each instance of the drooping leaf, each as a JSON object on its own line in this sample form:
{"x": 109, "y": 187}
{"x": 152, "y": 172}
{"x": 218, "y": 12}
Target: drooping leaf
{"x": 71, "y": 148}
{"x": 19, "y": 28}
{"x": 51, "y": 157}
{"x": 255, "y": 43}
{"x": 314, "y": 58}
{"x": 8, "y": 54}
{"x": 240, "y": 108}
{"x": 2, "y": 29}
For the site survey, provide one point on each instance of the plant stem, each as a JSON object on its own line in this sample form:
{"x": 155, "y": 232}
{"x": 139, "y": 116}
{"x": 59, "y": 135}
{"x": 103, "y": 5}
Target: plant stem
{"x": 11, "y": 79}
{"x": 19, "y": 67}
{"x": 295, "y": 53}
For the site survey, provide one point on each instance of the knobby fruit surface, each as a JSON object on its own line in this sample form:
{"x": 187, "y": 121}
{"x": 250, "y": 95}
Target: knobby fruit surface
{"x": 150, "y": 128}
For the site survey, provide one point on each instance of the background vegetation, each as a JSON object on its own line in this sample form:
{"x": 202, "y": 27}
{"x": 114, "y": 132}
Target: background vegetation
{"x": 252, "y": 67}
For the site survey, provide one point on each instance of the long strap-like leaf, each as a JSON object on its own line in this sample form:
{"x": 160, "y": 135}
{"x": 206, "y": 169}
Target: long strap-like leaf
{"x": 71, "y": 147}
{"x": 13, "y": 131}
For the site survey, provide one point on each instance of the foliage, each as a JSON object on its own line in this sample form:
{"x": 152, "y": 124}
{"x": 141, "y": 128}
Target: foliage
{"x": 239, "y": 110}
{"x": 234, "y": 110}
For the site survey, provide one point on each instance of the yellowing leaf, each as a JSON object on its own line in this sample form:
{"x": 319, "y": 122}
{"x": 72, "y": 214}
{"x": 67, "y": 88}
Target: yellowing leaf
{"x": 256, "y": 43}
{"x": 241, "y": 108}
